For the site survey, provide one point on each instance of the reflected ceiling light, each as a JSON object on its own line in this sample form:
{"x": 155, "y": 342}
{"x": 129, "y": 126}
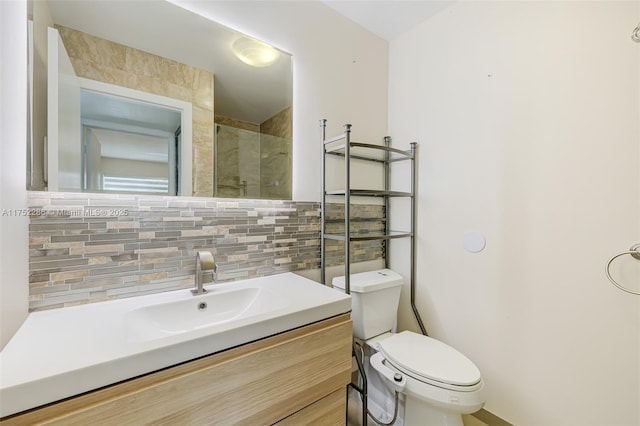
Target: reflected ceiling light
{"x": 254, "y": 52}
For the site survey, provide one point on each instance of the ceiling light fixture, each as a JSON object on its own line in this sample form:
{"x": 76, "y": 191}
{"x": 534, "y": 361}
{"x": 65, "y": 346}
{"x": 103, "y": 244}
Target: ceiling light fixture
{"x": 254, "y": 52}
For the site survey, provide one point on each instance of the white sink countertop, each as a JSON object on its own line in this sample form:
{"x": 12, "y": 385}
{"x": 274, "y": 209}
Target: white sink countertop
{"x": 64, "y": 352}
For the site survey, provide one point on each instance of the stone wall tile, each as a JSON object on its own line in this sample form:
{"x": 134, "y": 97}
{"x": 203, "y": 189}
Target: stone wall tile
{"x": 85, "y": 259}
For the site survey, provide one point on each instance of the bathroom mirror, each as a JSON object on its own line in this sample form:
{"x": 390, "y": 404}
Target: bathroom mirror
{"x": 147, "y": 97}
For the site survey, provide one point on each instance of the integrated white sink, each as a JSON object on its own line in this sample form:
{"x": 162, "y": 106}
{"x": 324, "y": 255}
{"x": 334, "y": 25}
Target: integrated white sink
{"x": 199, "y": 312}
{"x": 63, "y": 352}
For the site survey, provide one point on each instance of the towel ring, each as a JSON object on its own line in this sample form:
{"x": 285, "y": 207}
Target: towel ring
{"x": 635, "y": 34}
{"x": 634, "y": 252}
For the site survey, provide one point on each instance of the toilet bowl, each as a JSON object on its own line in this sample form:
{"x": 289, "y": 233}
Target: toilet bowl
{"x": 437, "y": 384}
{"x": 441, "y": 383}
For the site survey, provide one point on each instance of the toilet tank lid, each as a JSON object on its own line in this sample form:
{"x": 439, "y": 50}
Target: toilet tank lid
{"x": 370, "y": 281}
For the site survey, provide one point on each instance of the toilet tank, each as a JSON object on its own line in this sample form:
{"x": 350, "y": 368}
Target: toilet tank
{"x": 374, "y": 301}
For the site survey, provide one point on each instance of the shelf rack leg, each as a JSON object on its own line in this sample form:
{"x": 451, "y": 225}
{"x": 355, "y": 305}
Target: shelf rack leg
{"x": 387, "y": 204}
{"x": 413, "y": 239}
{"x": 347, "y": 208}
{"x": 323, "y": 201}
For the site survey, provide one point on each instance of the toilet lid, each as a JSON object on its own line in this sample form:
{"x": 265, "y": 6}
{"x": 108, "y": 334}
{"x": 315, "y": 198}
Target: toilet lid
{"x": 422, "y": 356}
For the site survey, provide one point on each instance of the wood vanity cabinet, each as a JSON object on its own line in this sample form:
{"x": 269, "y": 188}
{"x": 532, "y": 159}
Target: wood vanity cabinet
{"x": 294, "y": 378}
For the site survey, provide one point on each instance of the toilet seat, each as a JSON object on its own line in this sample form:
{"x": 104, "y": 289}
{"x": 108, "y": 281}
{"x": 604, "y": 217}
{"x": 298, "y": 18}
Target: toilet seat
{"x": 431, "y": 361}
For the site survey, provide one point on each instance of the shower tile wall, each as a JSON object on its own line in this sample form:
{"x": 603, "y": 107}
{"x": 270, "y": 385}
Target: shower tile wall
{"x": 92, "y": 247}
{"x": 103, "y": 60}
{"x": 279, "y": 125}
{"x": 275, "y": 154}
{"x": 255, "y": 161}
{"x": 238, "y": 124}
{"x": 238, "y": 163}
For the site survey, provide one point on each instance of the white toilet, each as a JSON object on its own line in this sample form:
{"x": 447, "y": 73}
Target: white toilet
{"x": 437, "y": 384}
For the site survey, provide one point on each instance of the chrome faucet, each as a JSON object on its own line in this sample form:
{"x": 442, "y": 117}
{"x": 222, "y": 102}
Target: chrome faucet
{"x": 204, "y": 264}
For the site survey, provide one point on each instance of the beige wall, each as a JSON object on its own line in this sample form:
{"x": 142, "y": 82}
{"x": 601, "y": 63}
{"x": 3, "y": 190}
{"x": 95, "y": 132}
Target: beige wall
{"x": 13, "y": 194}
{"x": 113, "y": 63}
{"x": 528, "y": 119}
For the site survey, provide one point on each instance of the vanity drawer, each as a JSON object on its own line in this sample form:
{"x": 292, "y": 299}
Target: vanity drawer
{"x": 329, "y": 411}
{"x": 258, "y": 383}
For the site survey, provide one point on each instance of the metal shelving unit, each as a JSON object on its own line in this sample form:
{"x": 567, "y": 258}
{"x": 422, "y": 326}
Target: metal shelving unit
{"x": 385, "y": 155}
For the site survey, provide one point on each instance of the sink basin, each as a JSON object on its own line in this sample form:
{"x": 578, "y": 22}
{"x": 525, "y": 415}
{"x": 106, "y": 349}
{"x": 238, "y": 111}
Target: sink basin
{"x": 98, "y": 344}
{"x": 199, "y": 312}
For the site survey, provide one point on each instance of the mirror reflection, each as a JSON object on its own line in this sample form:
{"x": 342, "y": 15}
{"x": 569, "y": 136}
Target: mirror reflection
{"x": 146, "y": 97}
{"x": 130, "y": 146}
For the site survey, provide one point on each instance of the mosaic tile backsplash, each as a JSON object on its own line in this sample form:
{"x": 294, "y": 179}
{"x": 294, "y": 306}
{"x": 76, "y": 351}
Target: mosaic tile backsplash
{"x": 93, "y": 247}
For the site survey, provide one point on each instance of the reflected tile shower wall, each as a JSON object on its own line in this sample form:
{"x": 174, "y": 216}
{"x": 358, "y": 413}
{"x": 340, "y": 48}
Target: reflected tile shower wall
{"x": 254, "y": 160}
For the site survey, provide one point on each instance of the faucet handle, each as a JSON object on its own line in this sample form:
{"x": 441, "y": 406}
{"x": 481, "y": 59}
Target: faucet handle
{"x": 204, "y": 265}
{"x": 206, "y": 260}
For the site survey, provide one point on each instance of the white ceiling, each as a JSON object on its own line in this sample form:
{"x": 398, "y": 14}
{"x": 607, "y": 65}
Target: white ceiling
{"x": 388, "y": 18}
